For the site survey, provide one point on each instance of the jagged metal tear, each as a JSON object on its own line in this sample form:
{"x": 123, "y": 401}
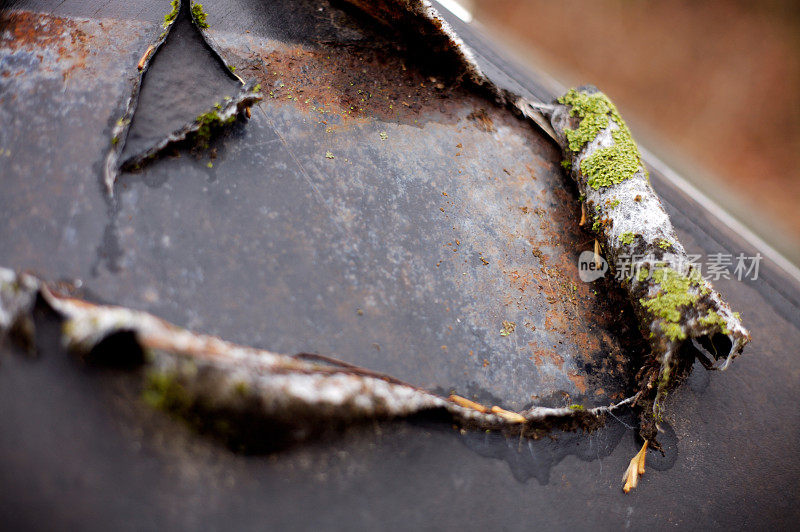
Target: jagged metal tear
{"x": 554, "y": 119}
{"x": 235, "y": 378}
{"x": 224, "y": 108}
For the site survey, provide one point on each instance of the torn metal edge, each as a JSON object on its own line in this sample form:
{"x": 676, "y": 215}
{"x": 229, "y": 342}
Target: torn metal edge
{"x": 704, "y": 315}
{"x": 248, "y": 95}
{"x": 424, "y": 11}
{"x": 673, "y": 303}
{"x": 235, "y": 378}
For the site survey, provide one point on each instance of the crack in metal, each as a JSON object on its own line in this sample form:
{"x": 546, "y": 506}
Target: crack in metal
{"x": 201, "y": 370}
{"x": 200, "y": 127}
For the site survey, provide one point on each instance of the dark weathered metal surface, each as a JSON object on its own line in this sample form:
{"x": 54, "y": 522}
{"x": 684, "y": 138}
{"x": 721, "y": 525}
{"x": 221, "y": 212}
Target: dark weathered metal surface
{"x": 374, "y": 256}
{"x": 365, "y": 212}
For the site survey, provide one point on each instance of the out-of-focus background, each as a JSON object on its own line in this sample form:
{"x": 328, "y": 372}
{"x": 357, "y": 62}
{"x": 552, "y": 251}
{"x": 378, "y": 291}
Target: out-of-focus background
{"x": 711, "y": 87}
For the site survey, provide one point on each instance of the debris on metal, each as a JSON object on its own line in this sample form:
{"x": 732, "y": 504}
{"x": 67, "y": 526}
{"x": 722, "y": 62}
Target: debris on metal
{"x": 635, "y": 469}
{"x": 508, "y": 328}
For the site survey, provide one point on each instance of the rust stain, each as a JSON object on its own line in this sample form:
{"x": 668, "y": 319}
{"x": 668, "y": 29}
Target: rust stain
{"x": 33, "y": 30}
{"x": 586, "y": 315}
{"x": 578, "y": 380}
{"x": 355, "y": 82}
{"x": 64, "y": 46}
{"x": 23, "y": 30}
{"x": 541, "y": 357}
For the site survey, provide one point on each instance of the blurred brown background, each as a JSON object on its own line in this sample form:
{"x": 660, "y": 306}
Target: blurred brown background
{"x": 712, "y": 87}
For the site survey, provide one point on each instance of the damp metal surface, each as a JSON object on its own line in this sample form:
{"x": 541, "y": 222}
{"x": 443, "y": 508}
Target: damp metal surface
{"x": 281, "y": 247}
{"x": 436, "y": 218}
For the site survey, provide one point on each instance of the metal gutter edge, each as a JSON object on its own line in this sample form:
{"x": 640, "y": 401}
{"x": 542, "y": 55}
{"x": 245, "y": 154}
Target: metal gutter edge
{"x": 721, "y": 214}
{"x": 676, "y": 179}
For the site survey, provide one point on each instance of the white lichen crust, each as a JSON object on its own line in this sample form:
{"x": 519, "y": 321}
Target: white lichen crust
{"x": 17, "y": 299}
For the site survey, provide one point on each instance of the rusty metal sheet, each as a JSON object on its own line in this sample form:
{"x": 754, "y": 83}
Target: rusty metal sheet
{"x": 369, "y": 212}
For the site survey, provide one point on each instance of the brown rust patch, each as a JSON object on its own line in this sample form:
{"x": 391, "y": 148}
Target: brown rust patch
{"x": 596, "y": 317}
{"x": 578, "y": 380}
{"x": 23, "y": 30}
{"x": 33, "y": 30}
{"x": 64, "y": 46}
{"x": 546, "y": 356}
{"x": 353, "y": 82}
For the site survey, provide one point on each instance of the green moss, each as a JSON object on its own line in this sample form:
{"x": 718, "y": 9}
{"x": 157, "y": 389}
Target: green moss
{"x": 257, "y": 87}
{"x": 658, "y": 411}
{"x": 232, "y": 68}
{"x": 711, "y": 319}
{"x": 163, "y": 391}
{"x": 613, "y": 165}
{"x": 664, "y": 378}
{"x": 664, "y": 244}
{"x": 172, "y": 15}
{"x": 627, "y": 237}
{"x": 199, "y": 15}
{"x": 612, "y": 203}
{"x": 114, "y": 140}
{"x": 607, "y": 166}
{"x": 566, "y": 164}
{"x": 672, "y": 296}
{"x": 673, "y": 331}
{"x": 643, "y": 275}
{"x": 577, "y": 407}
{"x": 593, "y": 110}
{"x": 241, "y": 388}
{"x": 208, "y": 123}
